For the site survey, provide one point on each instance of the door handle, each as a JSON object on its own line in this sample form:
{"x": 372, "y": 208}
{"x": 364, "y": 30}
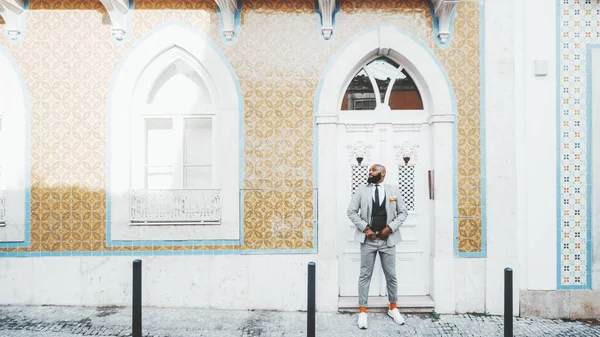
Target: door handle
{"x": 431, "y": 184}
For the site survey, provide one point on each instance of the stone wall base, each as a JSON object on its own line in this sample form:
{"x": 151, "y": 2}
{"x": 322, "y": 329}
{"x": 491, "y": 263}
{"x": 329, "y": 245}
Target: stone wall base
{"x": 568, "y": 304}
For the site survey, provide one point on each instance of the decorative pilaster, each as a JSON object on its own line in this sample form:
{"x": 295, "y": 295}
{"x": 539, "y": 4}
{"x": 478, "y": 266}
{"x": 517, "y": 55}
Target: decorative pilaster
{"x": 118, "y": 11}
{"x": 327, "y": 9}
{"x": 443, "y": 10}
{"x": 13, "y": 13}
{"x": 228, "y": 10}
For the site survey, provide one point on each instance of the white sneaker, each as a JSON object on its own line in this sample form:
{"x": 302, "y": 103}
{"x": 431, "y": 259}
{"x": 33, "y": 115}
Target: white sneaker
{"x": 395, "y": 314}
{"x": 362, "y": 320}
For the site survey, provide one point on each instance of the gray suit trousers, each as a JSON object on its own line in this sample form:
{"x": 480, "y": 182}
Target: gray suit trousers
{"x": 368, "y": 254}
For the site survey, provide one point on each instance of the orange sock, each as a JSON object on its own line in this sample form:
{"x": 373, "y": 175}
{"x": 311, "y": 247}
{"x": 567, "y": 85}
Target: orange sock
{"x": 392, "y": 306}
{"x": 363, "y": 309}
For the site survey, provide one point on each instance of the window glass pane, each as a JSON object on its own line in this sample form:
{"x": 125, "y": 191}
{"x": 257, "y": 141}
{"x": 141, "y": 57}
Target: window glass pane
{"x": 405, "y": 95}
{"x": 360, "y": 94}
{"x": 198, "y": 141}
{"x": 383, "y": 70}
{"x": 160, "y": 143}
{"x": 159, "y": 178}
{"x": 198, "y": 177}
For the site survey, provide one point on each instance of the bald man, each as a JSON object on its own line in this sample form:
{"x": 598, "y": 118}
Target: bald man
{"x": 377, "y": 210}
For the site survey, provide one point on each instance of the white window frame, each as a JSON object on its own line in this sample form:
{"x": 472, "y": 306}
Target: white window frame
{"x": 15, "y": 169}
{"x": 135, "y": 78}
{"x": 139, "y": 158}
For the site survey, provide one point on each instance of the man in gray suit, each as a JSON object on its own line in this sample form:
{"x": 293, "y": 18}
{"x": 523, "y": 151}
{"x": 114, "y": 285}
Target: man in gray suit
{"x": 377, "y": 211}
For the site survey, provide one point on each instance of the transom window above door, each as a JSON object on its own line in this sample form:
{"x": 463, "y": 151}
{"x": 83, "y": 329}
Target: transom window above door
{"x": 370, "y": 88}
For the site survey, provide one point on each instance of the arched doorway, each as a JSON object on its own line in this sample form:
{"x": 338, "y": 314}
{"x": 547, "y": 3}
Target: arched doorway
{"x": 385, "y": 99}
{"x": 382, "y": 120}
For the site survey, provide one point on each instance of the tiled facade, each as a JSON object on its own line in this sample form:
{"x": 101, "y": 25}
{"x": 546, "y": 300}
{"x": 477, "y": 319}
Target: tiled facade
{"x": 578, "y": 22}
{"x": 68, "y": 58}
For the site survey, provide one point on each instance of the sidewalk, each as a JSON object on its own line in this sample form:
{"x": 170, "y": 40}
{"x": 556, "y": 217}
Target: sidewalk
{"x": 51, "y": 321}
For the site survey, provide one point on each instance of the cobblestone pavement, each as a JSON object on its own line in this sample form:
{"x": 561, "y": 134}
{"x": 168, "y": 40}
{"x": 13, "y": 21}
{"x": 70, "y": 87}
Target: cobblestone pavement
{"x": 57, "y": 321}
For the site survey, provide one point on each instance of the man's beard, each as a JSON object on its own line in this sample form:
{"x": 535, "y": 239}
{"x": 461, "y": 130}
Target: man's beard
{"x": 374, "y": 179}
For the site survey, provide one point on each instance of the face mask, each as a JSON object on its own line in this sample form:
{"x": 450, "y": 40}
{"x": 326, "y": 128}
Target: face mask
{"x": 374, "y": 179}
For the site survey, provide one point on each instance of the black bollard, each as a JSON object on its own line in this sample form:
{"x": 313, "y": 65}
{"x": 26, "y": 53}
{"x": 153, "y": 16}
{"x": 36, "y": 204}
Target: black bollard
{"x": 137, "y": 299}
{"x": 311, "y": 299}
{"x": 508, "y": 302}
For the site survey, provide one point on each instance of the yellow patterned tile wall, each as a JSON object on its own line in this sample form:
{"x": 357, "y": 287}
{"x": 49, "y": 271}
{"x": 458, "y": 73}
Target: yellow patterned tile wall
{"x": 464, "y": 70}
{"x": 68, "y": 58}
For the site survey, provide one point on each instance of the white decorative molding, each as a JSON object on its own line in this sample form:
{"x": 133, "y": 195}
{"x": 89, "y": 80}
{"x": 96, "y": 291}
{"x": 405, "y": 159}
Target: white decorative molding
{"x": 13, "y": 13}
{"x": 327, "y": 8}
{"x": 359, "y": 127}
{"x": 228, "y": 9}
{"x": 414, "y": 127}
{"x": 118, "y": 11}
{"x": 327, "y": 119}
{"x": 359, "y": 149}
{"x": 441, "y": 118}
{"x": 406, "y": 153}
{"x": 444, "y": 9}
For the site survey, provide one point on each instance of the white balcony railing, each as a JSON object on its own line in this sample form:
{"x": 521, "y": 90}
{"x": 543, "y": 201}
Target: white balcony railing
{"x": 172, "y": 207}
{"x": 2, "y": 208}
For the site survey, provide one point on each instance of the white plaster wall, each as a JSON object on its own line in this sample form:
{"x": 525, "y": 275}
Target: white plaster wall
{"x": 538, "y": 151}
{"x": 443, "y": 288}
{"x": 470, "y": 291}
{"x": 270, "y": 282}
{"x": 501, "y": 147}
{"x": 595, "y": 168}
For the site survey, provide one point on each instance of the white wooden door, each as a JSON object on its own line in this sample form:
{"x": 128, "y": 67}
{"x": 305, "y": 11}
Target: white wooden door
{"x": 403, "y": 148}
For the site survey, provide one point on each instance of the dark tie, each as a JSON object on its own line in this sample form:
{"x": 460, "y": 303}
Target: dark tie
{"x": 376, "y": 195}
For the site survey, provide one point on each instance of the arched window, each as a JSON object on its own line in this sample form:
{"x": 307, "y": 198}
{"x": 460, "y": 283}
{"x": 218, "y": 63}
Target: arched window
{"x": 370, "y": 88}
{"x": 174, "y": 138}
{"x": 173, "y": 162}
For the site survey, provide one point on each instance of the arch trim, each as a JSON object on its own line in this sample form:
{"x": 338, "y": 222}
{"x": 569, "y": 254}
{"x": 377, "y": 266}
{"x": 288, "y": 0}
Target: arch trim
{"x": 386, "y": 40}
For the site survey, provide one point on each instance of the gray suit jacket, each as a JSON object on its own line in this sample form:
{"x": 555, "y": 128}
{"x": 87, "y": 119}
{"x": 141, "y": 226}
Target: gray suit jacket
{"x": 359, "y": 212}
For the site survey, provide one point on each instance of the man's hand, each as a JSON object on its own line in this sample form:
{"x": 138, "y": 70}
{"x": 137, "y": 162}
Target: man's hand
{"x": 370, "y": 233}
{"x": 385, "y": 233}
